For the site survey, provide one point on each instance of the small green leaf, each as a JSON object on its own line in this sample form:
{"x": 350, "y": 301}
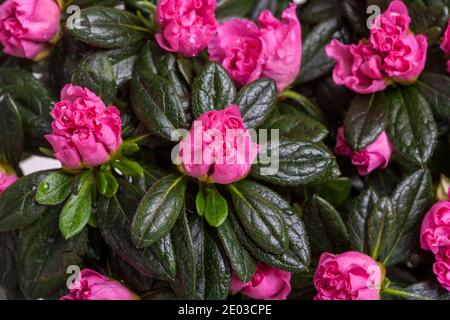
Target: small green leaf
{"x": 107, "y": 184}
{"x": 200, "y": 202}
{"x": 54, "y": 189}
{"x": 107, "y": 27}
{"x": 256, "y": 100}
{"x": 129, "y": 148}
{"x": 77, "y": 210}
{"x": 212, "y": 89}
{"x": 216, "y": 208}
{"x": 128, "y": 167}
{"x": 158, "y": 210}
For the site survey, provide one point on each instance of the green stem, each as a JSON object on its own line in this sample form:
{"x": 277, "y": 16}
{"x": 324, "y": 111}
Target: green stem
{"x": 397, "y": 292}
{"x": 148, "y": 5}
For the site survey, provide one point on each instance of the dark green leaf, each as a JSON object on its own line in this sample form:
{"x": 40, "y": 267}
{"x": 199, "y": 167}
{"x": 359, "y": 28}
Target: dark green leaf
{"x": 27, "y": 91}
{"x": 44, "y": 256}
{"x": 197, "y": 231}
{"x": 335, "y": 191}
{"x": 212, "y": 89}
{"x": 315, "y": 61}
{"x": 217, "y": 270}
{"x": 54, "y": 189}
{"x": 114, "y": 220}
{"x": 319, "y": 10}
{"x": 426, "y": 290}
{"x": 358, "y": 214}
{"x": 18, "y": 207}
{"x": 256, "y": 100}
{"x": 326, "y": 230}
{"x": 8, "y": 266}
{"x": 364, "y": 120}
{"x": 380, "y": 228}
{"x": 410, "y": 124}
{"x": 158, "y": 210}
{"x": 436, "y": 89}
{"x": 293, "y": 124}
{"x": 77, "y": 210}
{"x": 411, "y": 200}
{"x": 185, "y": 284}
{"x": 299, "y": 163}
{"x": 152, "y": 173}
{"x": 234, "y": 8}
{"x": 295, "y": 259}
{"x": 122, "y": 61}
{"x": 241, "y": 262}
{"x": 156, "y": 104}
{"x": 96, "y": 73}
{"x": 261, "y": 218}
{"x": 11, "y": 132}
{"x": 107, "y": 27}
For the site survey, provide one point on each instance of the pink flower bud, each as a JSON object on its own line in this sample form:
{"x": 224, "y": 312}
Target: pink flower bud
{"x": 441, "y": 268}
{"x": 218, "y": 148}
{"x": 267, "y": 284}
{"x": 435, "y": 230}
{"x": 374, "y": 156}
{"x": 6, "y": 180}
{"x": 26, "y": 26}
{"x": 347, "y": 276}
{"x": 85, "y": 133}
{"x": 92, "y": 285}
{"x": 249, "y": 52}
{"x": 186, "y": 25}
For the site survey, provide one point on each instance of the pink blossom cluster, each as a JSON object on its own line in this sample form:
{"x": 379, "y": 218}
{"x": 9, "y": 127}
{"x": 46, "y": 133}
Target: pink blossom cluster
{"x": 435, "y": 237}
{"x": 391, "y": 54}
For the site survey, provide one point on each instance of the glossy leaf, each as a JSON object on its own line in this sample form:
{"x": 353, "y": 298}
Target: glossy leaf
{"x": 364, "y": 121}
{"x": 54, "y": 189}
{"x": 77, "y": 210}
{"x": 241, "y": 262}
{"x": 299, "y": 163}
{"x": 260, "y": 218}
{"x": 158, "y": 210}
{"x": 107, "y": 27}
{"x": 212, "y": 89}
{"x": 256, "y": 100}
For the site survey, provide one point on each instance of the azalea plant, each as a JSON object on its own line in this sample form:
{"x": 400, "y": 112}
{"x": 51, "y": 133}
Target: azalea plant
{"x": 225, "y": 149}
